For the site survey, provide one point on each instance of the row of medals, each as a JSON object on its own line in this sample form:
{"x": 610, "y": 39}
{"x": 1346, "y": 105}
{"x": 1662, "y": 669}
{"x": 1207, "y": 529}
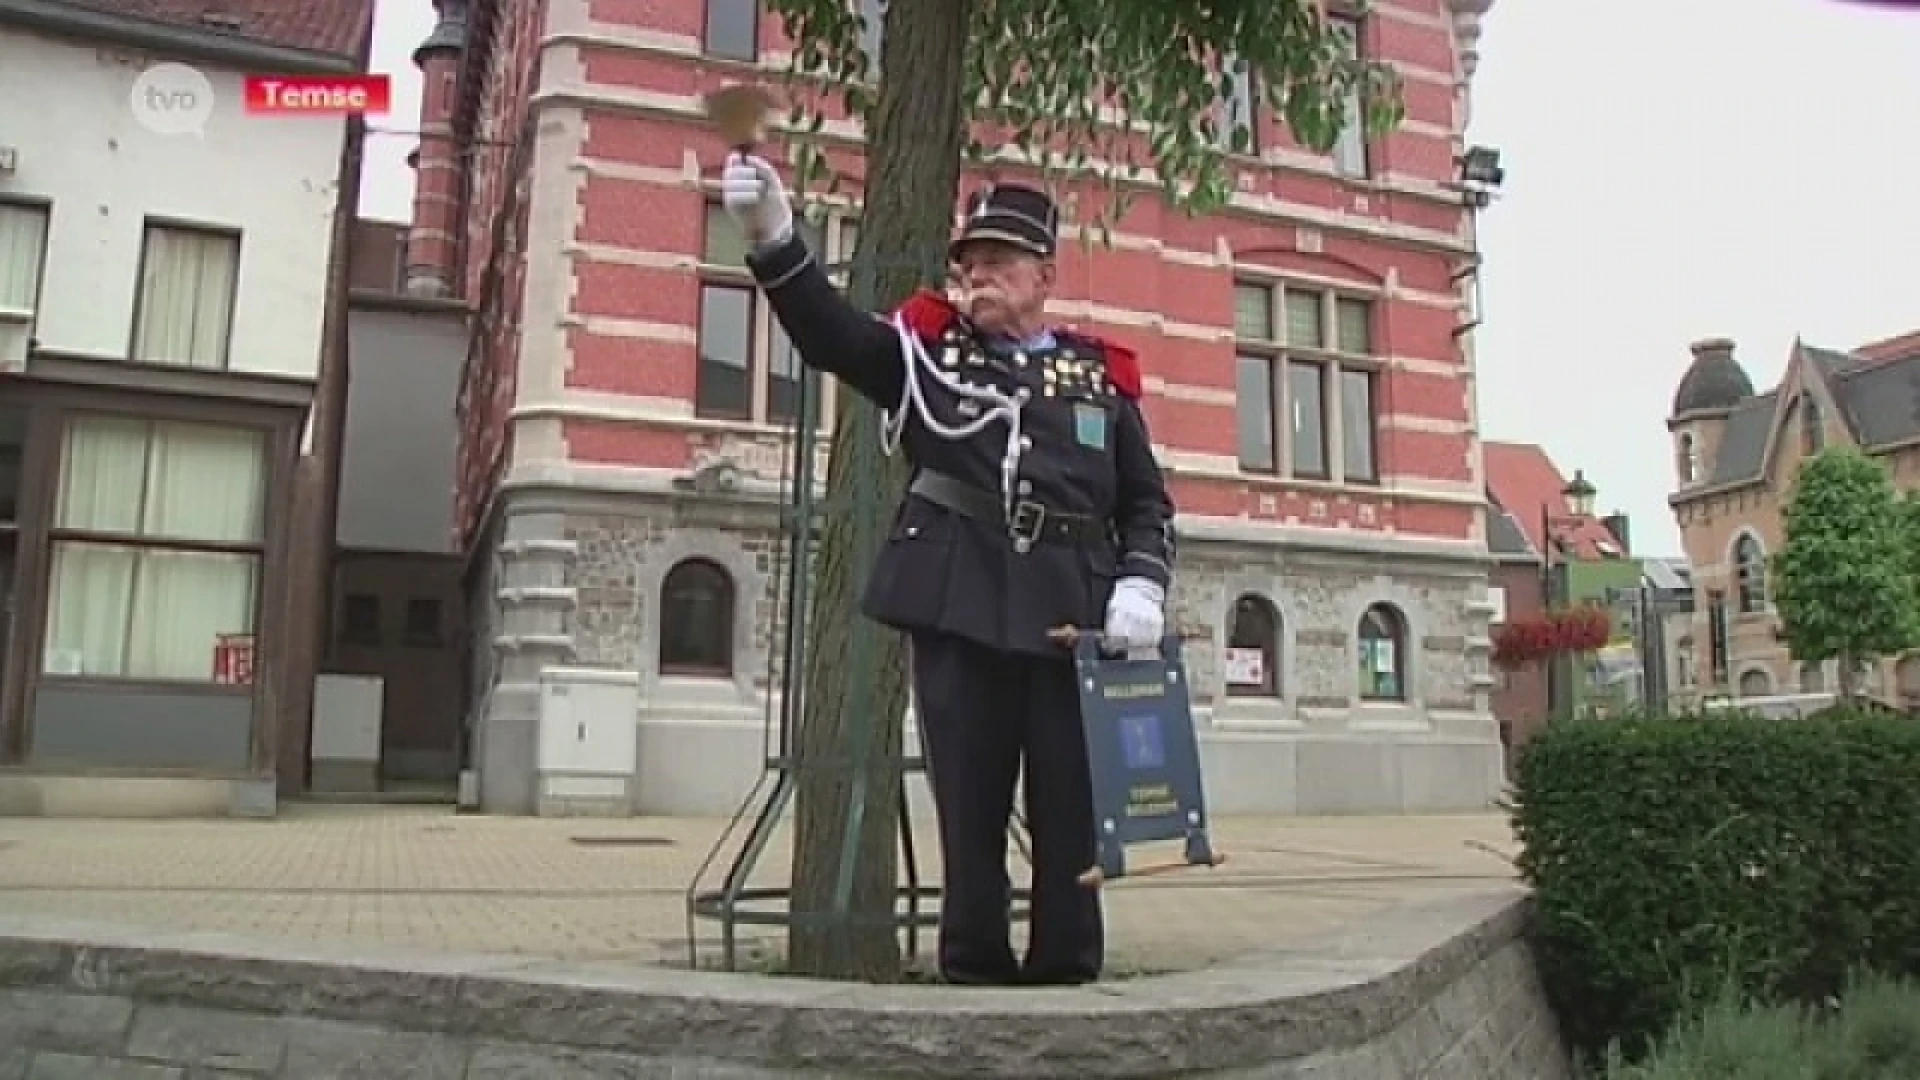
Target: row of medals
{"x": 1062, "y": 372}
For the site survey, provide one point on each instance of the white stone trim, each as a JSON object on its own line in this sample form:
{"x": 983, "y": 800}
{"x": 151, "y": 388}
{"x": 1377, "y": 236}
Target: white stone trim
{"x": 587, "y": 481}
{"x": 557, "y": 96}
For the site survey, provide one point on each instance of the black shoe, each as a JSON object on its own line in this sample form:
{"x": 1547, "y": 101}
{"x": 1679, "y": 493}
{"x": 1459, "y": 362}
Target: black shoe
{"x": 1039, "y": 977}
{"x": 975, "y": 978}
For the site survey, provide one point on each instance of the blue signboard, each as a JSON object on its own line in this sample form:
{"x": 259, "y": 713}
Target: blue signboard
{"x": 1143, "y": 753}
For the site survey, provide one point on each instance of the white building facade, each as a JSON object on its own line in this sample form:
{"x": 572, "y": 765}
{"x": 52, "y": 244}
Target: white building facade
{"x": 168, "y": 311}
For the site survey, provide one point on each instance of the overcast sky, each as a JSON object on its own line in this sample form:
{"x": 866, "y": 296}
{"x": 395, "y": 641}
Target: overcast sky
{"x": 1676, "y": 169}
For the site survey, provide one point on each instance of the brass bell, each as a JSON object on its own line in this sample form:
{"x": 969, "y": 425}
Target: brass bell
{"x": 740, "y": 113}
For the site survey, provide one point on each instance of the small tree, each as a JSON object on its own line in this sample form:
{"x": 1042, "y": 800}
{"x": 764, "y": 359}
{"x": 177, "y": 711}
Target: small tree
{"x": 1843, "y": 580}
{"x": 1108, "y": 101}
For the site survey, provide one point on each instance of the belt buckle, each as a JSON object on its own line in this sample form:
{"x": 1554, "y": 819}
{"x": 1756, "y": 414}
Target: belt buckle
{"x": 1025, "y": 523}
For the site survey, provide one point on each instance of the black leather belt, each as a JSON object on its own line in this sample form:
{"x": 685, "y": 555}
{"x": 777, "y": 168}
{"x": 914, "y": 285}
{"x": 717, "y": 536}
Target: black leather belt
{"x": 1029, "y": 523}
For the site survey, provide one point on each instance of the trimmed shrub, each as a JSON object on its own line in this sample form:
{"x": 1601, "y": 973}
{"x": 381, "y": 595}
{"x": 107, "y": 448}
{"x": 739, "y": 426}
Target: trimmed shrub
{"x": 1670, "y": 854}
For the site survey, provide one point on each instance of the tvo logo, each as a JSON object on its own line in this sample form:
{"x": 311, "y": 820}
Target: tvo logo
{"x": 172, "y": 99}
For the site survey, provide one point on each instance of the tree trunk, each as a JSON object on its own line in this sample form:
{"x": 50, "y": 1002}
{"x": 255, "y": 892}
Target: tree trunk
{"x": 849, "y": 741}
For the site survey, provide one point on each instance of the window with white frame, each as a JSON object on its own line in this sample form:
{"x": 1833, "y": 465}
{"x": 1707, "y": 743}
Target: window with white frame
{"x": 23, "y": 255}
{"x": 1350, "y": 149}
{"x": 1239, "y": 129}
{"x": 1307, "y": 383}
{"x": 183, "y": 314}
{"x": 157, "y": 542}
{"x": 748, "y": 369}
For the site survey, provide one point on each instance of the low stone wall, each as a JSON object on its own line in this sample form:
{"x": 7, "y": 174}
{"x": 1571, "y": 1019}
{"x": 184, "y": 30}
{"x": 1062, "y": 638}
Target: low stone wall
{"x": 1440, "y": 991}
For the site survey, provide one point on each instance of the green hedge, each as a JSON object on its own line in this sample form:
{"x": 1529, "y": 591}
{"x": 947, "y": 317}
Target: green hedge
{"x": 1669, "y": 855}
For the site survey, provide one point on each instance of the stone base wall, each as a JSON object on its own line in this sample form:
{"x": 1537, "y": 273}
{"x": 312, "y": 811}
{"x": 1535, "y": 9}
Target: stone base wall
{"x": 1440, "y": 991}
{"x": 31, "y": 795}
{"x": 579, "y": 583}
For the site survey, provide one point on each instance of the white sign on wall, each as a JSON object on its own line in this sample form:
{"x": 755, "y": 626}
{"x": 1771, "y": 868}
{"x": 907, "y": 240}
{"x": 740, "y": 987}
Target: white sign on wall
{"x": 1246, "y": 667}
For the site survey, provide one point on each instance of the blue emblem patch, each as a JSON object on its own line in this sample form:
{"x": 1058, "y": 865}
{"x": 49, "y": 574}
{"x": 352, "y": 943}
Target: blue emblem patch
{"x": 1090, "y": 426}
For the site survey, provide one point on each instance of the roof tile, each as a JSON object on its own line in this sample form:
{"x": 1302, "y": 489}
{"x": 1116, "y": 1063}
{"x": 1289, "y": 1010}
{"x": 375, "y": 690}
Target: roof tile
{"x": 333, "y": 27}
{"x": 1525, "y": 481}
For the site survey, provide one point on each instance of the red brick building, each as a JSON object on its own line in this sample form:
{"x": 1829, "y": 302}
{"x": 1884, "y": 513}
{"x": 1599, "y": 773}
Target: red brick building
{"x": 1310, "y": 386}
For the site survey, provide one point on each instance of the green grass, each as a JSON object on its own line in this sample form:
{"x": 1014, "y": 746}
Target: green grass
{"x": 1871, "y": 1033}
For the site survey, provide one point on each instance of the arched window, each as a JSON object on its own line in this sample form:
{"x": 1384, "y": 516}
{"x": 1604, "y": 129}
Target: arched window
{"x": 1750, "y": 569}
{"x": 1687, "y": 459}
{"x": 696, "y": 620}
{"x": 1383, "y": 654}
{"x": 1755, "y": 682}
{"x": 1253, "y": 648}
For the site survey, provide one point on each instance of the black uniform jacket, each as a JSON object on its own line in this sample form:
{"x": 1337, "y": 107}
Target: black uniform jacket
{"x": 1091, "y": 503}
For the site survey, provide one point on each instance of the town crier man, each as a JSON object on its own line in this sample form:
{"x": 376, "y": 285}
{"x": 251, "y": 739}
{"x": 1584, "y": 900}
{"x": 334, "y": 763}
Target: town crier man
{"x": 1035, "y": 502}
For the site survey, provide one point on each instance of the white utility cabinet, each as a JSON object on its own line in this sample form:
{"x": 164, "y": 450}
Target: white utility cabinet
{"x": 587, "y": 746}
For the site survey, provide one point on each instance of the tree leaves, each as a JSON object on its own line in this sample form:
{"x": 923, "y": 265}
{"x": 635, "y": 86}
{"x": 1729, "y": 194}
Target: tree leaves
{"x": 1128, "y": 95}
{"x": 1844, "y": 584}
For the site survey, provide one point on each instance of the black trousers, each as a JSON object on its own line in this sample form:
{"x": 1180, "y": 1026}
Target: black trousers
{"x": 982, "y": 713}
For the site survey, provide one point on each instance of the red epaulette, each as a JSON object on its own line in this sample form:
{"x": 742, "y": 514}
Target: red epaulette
{"x": 928, "y": 314}
{"x": 1123, "y": 364}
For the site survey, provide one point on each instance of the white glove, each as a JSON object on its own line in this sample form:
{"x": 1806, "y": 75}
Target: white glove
{"x": 751, "y": 191}
{"x": 1134, "y": 616}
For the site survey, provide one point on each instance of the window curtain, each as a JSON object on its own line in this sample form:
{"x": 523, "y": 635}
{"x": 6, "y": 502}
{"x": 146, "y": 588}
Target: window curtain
{"x": 186, "y": 298}
{"x": 723, "y": 383}
{"x": 1253, "y": 312}
{"x": 23, "y": 244}
{"x": 1354, "y": 326}
{"x": 1305, "y": 320}
{"x": 1357, "y": 424}
{"x": 120, "y": 609}
{"x": 1350, "y": 149}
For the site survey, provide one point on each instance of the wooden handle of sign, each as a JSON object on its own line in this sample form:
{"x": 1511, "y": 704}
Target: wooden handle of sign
{"x": 1096, "y": 877}
{"x": 1068, "y": 636}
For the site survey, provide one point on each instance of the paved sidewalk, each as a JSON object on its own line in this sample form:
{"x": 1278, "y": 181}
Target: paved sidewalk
{"x": 431, "y": 878}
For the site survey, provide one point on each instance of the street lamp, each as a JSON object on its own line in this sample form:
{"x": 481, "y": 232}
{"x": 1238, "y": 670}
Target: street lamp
{"x": 1479, "y": 176}
{"x": 1477, "y": 179}
{"x": 1579, "y": 496}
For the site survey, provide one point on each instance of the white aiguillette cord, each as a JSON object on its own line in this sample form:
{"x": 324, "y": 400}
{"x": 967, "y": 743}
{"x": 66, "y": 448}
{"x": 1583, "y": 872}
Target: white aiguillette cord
{"x": 1000, "y": 406}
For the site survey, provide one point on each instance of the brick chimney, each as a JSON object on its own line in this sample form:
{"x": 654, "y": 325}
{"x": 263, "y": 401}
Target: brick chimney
{"x": 1618, "y": 524}
{"x": 436, "y": 163}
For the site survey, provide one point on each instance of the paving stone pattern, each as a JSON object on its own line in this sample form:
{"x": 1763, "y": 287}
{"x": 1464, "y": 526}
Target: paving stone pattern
{"x": 1443, "y": 991}
{"x": 426, "y": 878}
